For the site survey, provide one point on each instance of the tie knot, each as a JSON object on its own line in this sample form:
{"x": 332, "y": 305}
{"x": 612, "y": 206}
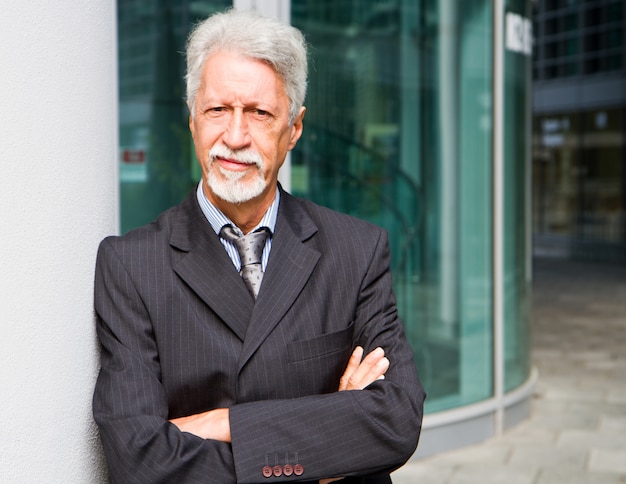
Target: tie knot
{"x": 249, "y": 246}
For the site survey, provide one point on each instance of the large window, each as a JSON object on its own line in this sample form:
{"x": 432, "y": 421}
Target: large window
{"x": 398, "y": 131}
{"x": 157, "y": 167}
{"x": 578, "y": 38}
{"x": 579, "y": 183}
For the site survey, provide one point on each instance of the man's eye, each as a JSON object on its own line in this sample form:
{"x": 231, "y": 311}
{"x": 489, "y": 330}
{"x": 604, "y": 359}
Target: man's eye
{"x": 261, "y": 112}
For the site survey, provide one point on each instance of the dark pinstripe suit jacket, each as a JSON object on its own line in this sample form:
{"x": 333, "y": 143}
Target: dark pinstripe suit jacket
{"x": 180, "y": 334}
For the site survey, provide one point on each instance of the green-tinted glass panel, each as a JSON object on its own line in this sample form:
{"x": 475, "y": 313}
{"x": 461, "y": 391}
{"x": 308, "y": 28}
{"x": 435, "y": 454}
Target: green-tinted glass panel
{"x": 571, "y": 21}
{"x": 571, "y": 68}
{"x": 398, "y": 132}
{"x": 157, "y": 167}
{"x": 616, "y": 11}
{"x": 571, "y": 46}
{"x": 516, "y": 251}
{"x": 614, "y": 39}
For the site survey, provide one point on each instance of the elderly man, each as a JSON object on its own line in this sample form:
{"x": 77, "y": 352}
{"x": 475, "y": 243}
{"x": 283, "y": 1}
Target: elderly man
{"x": 233, "y": 328}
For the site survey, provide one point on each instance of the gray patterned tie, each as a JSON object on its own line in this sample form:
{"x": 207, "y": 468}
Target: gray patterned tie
{"x": 250, "y": 248}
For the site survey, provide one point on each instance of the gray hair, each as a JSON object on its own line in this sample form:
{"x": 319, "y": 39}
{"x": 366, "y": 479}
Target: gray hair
{"x": 246, "y": 32}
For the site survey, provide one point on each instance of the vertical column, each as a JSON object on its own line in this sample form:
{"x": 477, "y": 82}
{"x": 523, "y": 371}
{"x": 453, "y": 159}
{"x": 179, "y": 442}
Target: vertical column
{"x": 498, "y": 211}
{"x": 448, "y": 131}
{"x": 280, "y": 9}
{"x": 58, "y": 192}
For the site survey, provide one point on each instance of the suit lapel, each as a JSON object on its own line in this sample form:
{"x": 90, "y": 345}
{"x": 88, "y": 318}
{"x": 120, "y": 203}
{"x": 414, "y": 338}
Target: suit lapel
{"x": 290, "y": 266}
{"x": 203, "y": 264}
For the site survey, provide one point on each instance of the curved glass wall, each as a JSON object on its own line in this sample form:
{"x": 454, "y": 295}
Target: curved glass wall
{"x": 517, "y": 162}
{"x": 398, "y": 131}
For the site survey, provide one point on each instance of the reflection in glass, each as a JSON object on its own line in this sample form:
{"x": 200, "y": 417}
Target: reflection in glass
{"x": 157, "y": 167}
{"x": 398, "y": 132}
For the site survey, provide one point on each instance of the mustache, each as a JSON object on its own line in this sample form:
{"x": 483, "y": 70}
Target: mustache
{"x": 247, "y": 156}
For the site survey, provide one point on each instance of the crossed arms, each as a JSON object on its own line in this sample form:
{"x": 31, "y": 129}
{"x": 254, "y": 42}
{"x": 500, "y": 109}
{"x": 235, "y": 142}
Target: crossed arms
{"x": 214, "y": 424}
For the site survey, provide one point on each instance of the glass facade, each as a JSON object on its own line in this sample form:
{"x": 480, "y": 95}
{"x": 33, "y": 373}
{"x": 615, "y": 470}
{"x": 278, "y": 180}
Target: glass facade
{"x": 517, "y": 161}
{"x": 579, "y": 132}
{"x": 579, "y": 38}
{"x": 157, "y": 168}
{"x": 398, "y": 131}
{"x": 580, "y": 182}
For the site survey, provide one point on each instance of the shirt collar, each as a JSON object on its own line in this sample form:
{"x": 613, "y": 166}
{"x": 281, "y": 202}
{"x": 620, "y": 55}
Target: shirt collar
{"x": 217, "y": 219}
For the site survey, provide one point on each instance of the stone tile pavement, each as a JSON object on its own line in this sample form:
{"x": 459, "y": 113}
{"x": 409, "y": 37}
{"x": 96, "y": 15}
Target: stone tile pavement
{"x": 576, "y": 432}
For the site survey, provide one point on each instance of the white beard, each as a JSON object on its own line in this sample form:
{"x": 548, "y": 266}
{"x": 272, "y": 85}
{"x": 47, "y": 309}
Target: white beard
{"x": 230, "y": 186}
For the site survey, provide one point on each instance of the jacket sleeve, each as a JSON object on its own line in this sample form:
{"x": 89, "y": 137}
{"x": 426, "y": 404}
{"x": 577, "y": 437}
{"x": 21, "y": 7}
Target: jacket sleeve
{"x": 349, "y": 433}
{"x": 130, "y": 404}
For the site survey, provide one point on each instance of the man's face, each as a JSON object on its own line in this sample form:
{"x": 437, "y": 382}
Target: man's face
{"x": 241, "y": 129}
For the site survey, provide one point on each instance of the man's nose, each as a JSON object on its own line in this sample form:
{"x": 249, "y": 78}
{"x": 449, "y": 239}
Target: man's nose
{"x": 236, "y": 135}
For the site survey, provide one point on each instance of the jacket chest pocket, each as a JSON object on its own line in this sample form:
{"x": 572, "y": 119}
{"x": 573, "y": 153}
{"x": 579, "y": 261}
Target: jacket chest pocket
{"x": 315, "y": 365}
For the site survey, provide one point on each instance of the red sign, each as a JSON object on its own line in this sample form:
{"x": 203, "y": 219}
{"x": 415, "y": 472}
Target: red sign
{"x": 133, "y": 156}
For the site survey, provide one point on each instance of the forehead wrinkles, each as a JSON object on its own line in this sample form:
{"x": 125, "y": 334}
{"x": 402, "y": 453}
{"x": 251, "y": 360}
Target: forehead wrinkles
{"x": 242, "y": 80}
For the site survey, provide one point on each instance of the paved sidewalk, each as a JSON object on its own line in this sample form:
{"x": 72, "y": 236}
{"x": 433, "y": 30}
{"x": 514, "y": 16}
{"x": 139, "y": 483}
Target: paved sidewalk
{"x": 577, "y": 429}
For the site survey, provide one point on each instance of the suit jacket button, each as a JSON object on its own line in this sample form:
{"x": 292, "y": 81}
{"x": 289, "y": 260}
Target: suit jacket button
{"x": 278, "y": 471}
{"x": 298, "y": 470}
{"x": 267, "y": 471}
{"x": 287, "y": 470}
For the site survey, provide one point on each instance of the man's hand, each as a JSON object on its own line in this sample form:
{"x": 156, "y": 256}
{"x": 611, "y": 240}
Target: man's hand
{"x": 359, "y": 374}
{"x": 214, "y": 424}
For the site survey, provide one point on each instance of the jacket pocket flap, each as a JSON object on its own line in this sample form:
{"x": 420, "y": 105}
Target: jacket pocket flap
{"x": 325, "y": 344}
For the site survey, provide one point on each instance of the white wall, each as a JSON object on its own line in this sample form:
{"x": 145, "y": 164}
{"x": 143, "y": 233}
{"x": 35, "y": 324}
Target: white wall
{"x": 58, "y": 198}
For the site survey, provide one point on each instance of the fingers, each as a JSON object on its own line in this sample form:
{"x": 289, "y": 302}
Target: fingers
{"x": 353, "y": 364}
{"x": 373, "y": 367}
{"x": 212, "y": 424}
{"x": 360, "y": 374}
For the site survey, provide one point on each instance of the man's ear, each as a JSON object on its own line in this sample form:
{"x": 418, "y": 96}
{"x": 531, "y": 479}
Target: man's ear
{"x": 297, "y": 128}
{"x": 190, "y": 118}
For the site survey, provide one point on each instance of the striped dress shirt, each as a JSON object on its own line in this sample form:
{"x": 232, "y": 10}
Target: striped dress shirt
{"x": 217, "y": 219}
